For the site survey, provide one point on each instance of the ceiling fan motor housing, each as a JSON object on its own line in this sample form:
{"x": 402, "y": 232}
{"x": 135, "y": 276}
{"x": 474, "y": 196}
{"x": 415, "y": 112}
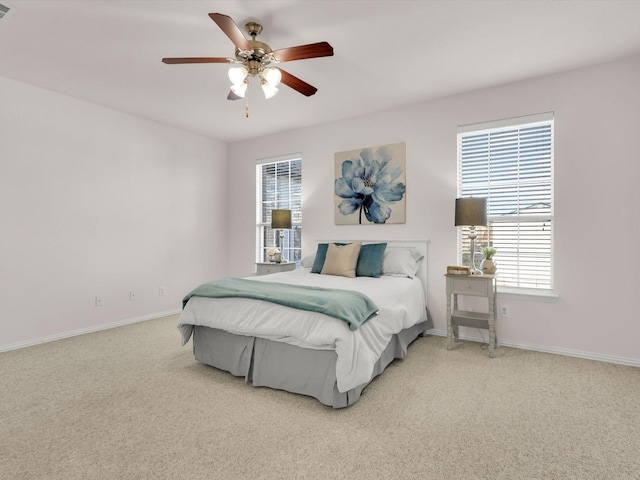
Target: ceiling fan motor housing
{"x": 253, "y": 29}
{"x": 258, "y": 57}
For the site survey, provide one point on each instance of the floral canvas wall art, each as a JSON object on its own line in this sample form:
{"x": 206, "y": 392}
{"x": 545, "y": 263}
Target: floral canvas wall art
{"x": 370, "y": 185}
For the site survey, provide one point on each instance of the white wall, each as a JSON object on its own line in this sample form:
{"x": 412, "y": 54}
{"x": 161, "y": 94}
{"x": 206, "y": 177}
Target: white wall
{"x": 597, "y": 168}
{"x": 96, "y": 202}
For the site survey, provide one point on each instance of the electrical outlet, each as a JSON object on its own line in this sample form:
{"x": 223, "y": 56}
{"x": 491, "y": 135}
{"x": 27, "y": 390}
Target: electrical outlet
{"x": 504, "y": 311}
{"x": 132, "y": 296}
{"x": 98, "y": 301}
{"x": 161, "y": 291}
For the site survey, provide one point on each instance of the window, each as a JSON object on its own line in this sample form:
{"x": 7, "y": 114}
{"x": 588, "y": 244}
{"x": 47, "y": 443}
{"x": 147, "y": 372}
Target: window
{"x": 279, "y": 186}
{"x": 510, "y": 162}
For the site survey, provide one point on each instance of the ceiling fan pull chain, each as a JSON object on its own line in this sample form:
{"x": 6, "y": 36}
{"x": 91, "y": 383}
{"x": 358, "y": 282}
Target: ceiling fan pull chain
{"x": 246, "y": 111}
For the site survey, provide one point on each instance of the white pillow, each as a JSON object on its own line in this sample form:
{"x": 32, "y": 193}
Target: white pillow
{"x": 401, "y": 261}
{"x": 307, "y": 261}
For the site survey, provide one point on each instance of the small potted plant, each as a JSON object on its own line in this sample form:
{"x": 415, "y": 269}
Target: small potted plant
{"x": 487, "y": 264}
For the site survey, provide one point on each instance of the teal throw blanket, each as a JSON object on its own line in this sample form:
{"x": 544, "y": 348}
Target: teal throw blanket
{"x": 351, "y": 307}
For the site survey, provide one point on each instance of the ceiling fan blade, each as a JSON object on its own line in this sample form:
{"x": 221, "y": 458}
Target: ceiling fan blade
{"x": 231, "y": 30}
{"x": 172, "y": 61}
{"x": 233, "y": 96}
{"x": 312, "y": 50}
{"x": 297, "y": 84}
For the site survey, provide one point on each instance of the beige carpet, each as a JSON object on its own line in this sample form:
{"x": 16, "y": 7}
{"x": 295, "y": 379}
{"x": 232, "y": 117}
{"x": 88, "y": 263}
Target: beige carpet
{"x": 130, "y": 403}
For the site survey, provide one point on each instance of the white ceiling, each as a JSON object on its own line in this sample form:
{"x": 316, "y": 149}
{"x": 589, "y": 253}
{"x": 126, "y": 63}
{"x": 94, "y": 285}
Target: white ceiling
{"x": 387, "y": 53}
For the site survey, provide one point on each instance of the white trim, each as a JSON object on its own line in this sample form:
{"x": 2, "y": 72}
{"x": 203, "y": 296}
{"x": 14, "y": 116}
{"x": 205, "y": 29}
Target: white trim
{"x": 280, "y": 158}
{"x": 506, "y": 122}
{"x": 527, "y": 293}
{"x": 567, "y": 352}
{"x": 477, "y": 182}
{"x": 285, "y": 200}
{"x": 83, "y": 331}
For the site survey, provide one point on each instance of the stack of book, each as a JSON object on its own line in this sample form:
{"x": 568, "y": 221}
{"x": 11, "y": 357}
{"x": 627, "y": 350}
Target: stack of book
{"x": 455, "y": 270}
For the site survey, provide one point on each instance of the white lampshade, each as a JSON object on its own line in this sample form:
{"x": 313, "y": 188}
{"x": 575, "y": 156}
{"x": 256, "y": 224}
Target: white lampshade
{"x": 237, "y": 75}
{"x": 272, "y": 75}
{"x": 239, "y": 89}
{"x": 268, "y": 89}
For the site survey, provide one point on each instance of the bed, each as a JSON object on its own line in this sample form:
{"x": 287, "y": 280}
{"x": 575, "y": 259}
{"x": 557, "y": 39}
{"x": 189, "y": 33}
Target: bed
{"x": 311, "y": 352}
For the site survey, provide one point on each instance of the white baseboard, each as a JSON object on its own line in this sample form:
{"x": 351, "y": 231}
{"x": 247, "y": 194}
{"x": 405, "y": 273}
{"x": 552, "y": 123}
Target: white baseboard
{"x": 542, "y": 348}
{"x": 82, "y": 331}
{"x": 441, "y": 333}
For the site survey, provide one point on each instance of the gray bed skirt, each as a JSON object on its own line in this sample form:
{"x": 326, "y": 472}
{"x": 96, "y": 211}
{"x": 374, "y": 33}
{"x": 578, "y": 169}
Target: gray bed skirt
{"x": 265, "y": 363}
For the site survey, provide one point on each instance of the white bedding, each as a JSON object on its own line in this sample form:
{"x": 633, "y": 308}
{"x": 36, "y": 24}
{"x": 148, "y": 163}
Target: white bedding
{"x": 400, "y": 300}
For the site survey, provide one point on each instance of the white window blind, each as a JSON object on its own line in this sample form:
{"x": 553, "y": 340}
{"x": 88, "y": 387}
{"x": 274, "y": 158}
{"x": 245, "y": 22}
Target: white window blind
{"x": 510, "y": 162}
{"x": 279, "y": 186}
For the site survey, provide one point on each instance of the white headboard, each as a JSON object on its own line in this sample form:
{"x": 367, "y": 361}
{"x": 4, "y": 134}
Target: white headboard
{"x": 420, "y": 245}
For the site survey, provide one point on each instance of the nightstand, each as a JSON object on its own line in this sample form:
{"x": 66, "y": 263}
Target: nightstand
{"x": 265, "y": 268}
{"x": 476, "y": 286}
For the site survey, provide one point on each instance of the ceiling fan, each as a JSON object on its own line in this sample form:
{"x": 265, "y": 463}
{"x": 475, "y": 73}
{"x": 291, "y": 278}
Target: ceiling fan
{"x": 254, "y": 58}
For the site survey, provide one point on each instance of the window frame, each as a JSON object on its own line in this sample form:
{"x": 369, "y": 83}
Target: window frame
{"x": 486, "y": 235}
{"x": 266, "y": 237}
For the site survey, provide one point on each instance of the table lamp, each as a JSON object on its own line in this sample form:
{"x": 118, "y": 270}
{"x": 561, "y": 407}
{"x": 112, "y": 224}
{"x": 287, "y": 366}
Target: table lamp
{"x": 471, "y": 212}
{"x": 281, "y": 220}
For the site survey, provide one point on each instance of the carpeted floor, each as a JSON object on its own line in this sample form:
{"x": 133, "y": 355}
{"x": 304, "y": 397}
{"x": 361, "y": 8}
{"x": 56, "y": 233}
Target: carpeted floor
{"x": 131, "y": 403}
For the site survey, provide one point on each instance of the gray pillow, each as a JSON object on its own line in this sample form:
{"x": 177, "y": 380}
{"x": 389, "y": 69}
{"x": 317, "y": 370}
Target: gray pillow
{"x": 401, "y": 261}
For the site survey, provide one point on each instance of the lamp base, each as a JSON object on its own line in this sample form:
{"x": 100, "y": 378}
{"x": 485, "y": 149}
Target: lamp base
{"x": 282, "y": 258}
{"x": 472, "y": 252}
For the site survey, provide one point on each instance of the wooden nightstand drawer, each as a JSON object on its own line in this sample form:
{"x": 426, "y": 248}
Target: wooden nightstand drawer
{"x": 468, "y": 286}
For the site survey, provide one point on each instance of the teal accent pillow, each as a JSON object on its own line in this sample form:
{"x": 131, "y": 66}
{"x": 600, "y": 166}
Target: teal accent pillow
{"x": 321, "y": 255}
{"x": 370, "y": 260}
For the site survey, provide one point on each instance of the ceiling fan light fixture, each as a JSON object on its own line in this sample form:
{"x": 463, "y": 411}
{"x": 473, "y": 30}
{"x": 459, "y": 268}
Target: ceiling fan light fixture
{"x": 239, "y": 89}
{"x": 272, "y": 75}
{"x": 238, "y": 75}
{"x": 268, "y": 89}
{"x": 252, "y": 58}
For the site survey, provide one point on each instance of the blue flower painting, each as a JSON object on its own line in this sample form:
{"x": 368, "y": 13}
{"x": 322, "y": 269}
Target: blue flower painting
{"x": 370, "y": 185}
